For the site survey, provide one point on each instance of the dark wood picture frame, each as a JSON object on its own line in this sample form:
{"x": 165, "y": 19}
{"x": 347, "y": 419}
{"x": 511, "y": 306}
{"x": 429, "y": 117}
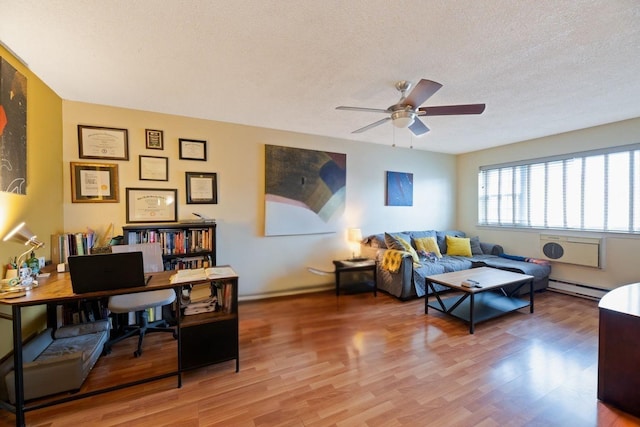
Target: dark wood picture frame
{"x": 152, "y": 205}
{"x": 154, "y": 139}
{"x": 153, "y": 168}
{"x": 96, "y": 142}
{"x": 192, "y": 149}
{"x": 94, "y": 183}
{"x": 202, "y": 188}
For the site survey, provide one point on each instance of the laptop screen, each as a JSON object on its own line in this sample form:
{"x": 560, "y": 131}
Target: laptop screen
{"x": 105, "y": 272}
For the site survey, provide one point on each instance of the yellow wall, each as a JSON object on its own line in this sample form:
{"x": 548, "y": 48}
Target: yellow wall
{"x": 41, "y": 207}
{"x": 620, "y": 253}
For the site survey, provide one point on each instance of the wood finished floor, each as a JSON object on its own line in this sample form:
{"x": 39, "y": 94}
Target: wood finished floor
{"x": 356, "y": 360}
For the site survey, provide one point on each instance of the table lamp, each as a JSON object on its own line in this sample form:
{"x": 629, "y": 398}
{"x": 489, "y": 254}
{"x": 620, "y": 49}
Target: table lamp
{"x": 22, "y": 234}
{"x": 354, "y": 235}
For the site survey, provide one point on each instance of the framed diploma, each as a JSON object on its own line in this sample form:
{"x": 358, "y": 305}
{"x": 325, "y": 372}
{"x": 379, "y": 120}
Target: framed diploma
{"x": 152, "y": 205}
{"x": 201, "y": 188}
{"x": 103, "y": 143}
{"x": 193, "y": 149}
{"x": 154, "y": 168}
{"x": 94, "y": 183}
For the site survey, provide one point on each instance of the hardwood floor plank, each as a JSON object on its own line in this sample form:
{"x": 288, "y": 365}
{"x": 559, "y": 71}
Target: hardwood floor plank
{"x": 356, "y": 360}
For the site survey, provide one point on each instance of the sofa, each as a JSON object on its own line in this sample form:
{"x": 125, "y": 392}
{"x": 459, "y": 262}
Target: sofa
{"x": 404, "y": 277}
{"x": 56, "y": 361}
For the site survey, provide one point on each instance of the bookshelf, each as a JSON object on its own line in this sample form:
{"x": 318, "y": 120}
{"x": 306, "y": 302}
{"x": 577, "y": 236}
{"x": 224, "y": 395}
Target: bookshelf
{"x": 184, "y": 245}
{"x": 207, "y": 337}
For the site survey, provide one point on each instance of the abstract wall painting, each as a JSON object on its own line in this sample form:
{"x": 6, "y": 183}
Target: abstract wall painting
{"x": 305, "y": 190}
{"x": 399, "y": 189}
{"x": 13, "y": 129}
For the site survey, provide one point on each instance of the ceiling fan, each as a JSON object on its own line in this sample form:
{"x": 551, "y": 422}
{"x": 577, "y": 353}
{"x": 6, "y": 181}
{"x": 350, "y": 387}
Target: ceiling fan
{"x": 406, "y": 111}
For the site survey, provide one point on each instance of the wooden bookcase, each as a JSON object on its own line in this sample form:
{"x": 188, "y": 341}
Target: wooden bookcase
{"x": 206, "y": 338}
{"x": 184, "y": 245}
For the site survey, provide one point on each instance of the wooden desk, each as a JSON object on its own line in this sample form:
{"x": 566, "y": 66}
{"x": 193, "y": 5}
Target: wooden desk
{"x": 618, "y": 350}
{"x": 55, "y": 290}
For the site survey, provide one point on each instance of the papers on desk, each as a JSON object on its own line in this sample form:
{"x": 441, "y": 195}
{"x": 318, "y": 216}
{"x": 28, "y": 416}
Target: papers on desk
{"x": 200, "y": 274}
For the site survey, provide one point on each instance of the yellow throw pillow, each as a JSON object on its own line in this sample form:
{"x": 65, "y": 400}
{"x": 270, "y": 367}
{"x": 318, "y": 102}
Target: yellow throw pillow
{"x": 407, "y": 247}
{"x": 460, "y": 246}
{"x": 428, "y": 244}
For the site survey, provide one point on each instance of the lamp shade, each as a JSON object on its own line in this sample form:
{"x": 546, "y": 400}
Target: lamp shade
{"x": 402, "y": 118}
{"x": 354, "y": 235}
{"x": 22, "y": 234}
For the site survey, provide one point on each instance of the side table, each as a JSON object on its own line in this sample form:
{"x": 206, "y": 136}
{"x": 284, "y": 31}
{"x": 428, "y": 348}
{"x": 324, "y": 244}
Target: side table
{"x": 351, "y": 265}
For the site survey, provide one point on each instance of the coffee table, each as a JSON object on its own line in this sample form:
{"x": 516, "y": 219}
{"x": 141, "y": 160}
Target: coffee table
{"x": 486, "y": 300}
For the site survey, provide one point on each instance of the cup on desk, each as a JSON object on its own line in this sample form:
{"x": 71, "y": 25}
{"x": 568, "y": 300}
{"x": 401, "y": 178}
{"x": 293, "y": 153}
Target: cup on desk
{"x": 25, "y": 272}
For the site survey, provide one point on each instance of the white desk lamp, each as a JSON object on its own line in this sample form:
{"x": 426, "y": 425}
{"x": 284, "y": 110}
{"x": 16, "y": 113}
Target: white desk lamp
{"x": 354, "y": 235}
{"x": 22, "y": 234}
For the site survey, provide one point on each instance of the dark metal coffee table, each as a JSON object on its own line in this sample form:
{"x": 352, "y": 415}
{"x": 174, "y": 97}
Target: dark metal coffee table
{"x": 483, "y": 301}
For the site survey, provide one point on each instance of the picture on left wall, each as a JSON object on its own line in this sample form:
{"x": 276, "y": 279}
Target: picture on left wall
{"x": 13, "y": 129}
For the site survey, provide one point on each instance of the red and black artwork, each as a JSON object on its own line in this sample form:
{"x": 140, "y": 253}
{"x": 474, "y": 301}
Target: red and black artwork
{"x": 13, "y": 129}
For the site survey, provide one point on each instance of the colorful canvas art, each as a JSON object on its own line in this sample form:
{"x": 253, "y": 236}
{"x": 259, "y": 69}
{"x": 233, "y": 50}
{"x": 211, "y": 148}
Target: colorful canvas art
{"x": 13, "y": 129}
{"x": 399, "y": 189}
{"x": 304, "y": 190}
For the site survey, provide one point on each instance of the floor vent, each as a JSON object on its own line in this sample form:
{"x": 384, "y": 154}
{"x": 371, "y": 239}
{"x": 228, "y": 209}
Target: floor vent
{"x": 575, "y": 289}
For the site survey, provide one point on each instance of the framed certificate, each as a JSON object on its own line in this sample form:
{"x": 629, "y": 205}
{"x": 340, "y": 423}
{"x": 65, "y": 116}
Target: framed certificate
{"x": 193, "y": 149}
{"x": 154, "y": 139}
{"x": 94, "y": 183}
{"x": 153, "y": 168}
{"x": 201, "y": 188}
{"x": 103, "y": 143}
{"x": 152, "y": 205}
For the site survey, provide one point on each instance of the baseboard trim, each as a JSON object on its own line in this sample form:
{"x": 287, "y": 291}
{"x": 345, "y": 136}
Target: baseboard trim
{"x": 287, "y": 292}
{"x": 576, "y": 289}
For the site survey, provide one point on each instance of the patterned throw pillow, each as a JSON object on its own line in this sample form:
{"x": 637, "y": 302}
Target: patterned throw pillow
{"x": 400, "y": 244}
{"x": 427, "y": 244}
{"x": 460, "y": 246}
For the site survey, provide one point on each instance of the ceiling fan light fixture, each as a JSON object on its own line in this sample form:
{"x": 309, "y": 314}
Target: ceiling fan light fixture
{"x": 403, "y": 119}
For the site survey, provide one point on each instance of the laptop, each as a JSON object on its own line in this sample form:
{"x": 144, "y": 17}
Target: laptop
{"x": 106, "y": 272}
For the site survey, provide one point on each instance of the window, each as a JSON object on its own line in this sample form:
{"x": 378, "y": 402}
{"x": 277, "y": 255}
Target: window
{"x": 596, "y": 191}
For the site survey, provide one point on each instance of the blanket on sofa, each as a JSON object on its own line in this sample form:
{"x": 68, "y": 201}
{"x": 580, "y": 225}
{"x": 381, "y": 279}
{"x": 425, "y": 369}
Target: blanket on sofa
{"x": 392, "y": 260}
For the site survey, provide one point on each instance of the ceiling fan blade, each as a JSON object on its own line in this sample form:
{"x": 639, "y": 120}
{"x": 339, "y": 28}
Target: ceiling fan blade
{"x": 372, "y": 125}
{"x": 418, "y": 128}
{"x": 370, "y": 110}
{"x": 445, "y": 110}
{"x": 423, "y": 91}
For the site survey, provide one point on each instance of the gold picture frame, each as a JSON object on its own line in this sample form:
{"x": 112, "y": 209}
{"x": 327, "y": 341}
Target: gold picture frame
{"x": 94, "y": 183}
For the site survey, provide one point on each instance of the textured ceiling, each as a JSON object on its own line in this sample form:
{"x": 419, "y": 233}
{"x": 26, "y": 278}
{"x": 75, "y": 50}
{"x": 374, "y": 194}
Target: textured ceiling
{"x": 542, "y": 67}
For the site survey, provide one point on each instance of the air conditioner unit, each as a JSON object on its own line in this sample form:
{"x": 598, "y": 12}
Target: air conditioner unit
{"x": 571, "y": 250}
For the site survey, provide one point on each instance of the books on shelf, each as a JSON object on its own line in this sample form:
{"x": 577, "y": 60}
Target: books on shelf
{"x": 200, "y": 274}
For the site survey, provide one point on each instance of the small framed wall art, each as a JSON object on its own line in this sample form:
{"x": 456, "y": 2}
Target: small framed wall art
{"x": 94, "y": 183}
{"x": 154, "y": 139}
{"x": 152, "y": 205}
{"x": 201, "y": 188}
{"x": 153, "y": 168}
{"x": 103, "y": 143}
{"x": 193, "y": 149}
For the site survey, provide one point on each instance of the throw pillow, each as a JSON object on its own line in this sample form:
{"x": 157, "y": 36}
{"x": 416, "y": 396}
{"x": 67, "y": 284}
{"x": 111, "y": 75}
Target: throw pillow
{"x": 427, "y": 244}
{"x": 476, "y": 249}
{"x": 460, "y": 246}
{"x": 399, "y": 243}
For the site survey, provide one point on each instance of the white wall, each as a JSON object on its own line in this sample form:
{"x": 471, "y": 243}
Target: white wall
{"x": 621, "y": 261}
{"x": 266, "y": 265}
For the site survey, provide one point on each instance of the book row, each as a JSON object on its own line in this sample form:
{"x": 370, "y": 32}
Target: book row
{"x": 65, "y": 244}
{"x": 175, "y": 241}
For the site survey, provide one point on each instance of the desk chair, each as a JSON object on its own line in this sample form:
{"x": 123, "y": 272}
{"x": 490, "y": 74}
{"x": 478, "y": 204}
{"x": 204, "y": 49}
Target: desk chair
{"x": 141, "y": 301}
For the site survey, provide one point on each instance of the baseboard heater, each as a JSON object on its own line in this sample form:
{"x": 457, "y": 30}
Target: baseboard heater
{"x": 576, "y": 289}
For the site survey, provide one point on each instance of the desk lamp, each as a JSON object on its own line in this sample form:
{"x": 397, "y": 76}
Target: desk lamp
{"x": 22, "y": 234}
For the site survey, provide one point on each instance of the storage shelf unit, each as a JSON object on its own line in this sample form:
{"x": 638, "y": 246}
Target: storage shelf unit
{"x": 206, "y": 338}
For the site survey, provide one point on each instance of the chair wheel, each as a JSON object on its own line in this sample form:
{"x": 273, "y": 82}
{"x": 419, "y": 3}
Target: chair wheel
{"x": 175, "y": 335}
{"x": 137, "y": 353}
